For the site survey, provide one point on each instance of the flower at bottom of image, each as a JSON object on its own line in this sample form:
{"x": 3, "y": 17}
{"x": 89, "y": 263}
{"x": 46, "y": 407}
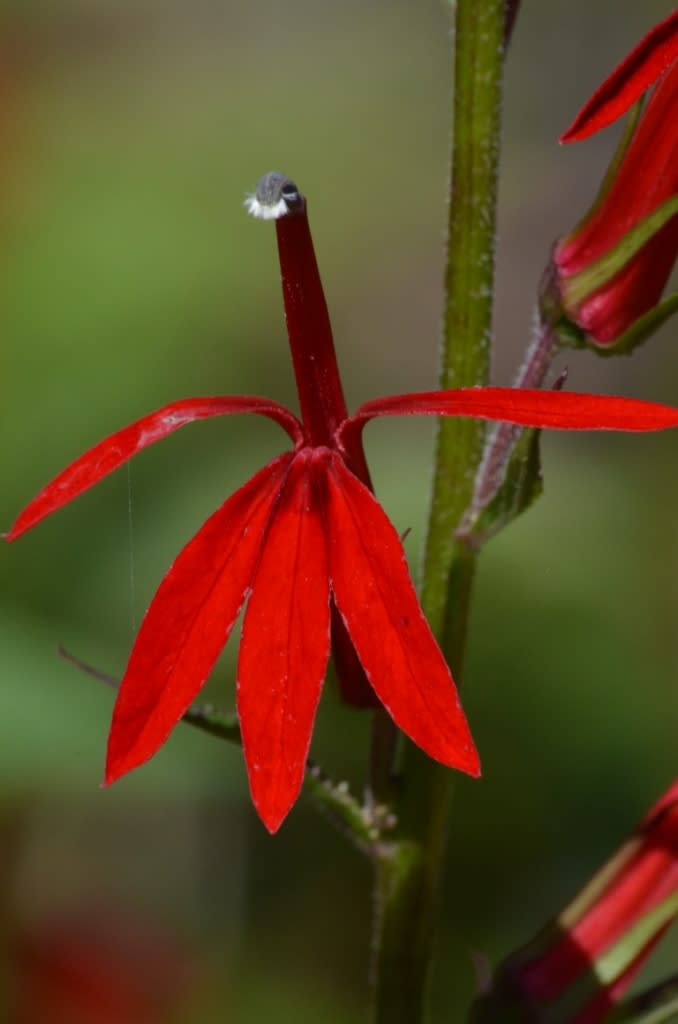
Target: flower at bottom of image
{"x": 583, "y": 962}
{"x": 98, "y": 968}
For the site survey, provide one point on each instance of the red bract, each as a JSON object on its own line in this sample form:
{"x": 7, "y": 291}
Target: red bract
{"x": 606, "y": 302}
{"x": 303, "y": 540}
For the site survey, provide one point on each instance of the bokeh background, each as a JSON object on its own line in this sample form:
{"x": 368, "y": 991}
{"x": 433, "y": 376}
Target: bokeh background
{"x": 129, "y": 133}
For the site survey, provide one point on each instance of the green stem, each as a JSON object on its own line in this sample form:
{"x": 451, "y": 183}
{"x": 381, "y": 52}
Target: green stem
{"x": 409, "y": 870}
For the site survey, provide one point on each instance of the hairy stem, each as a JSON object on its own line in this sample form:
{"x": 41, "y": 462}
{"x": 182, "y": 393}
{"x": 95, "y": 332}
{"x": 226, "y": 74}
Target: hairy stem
{"x": 409, "y": 871}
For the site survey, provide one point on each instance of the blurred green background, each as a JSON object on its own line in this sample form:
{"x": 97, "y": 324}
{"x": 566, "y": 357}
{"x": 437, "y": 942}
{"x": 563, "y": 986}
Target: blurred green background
{"x": 129, "y": 133}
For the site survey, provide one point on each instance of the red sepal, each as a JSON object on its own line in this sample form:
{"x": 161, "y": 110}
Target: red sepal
{"x": 189, "y": 621}
{"x": 376, "y": 598}
{"x": 116, "y": 449}
{"x": 285, "y": 646}
{"x": 629, "y": 80}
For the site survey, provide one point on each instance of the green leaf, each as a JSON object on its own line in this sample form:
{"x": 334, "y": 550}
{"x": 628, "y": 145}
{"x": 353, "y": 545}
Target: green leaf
{"x": 519, "y": 486}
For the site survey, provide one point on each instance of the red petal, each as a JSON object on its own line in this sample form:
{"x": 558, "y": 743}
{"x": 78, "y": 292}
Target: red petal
{"x": 629, "y": 80}
{"x": 375, "y": 596}
{"x": 110, "y": 453}
{"x": 557, "y": 410}
{"x": 189, "y": 621}
{"x": 285, "y": 646}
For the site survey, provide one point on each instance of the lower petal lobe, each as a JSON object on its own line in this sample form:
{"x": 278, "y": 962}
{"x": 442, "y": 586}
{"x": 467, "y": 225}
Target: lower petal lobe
{"x": 376, "y": 598}
{"x": 189, "y": 621}
{"x": 285, "y": 645}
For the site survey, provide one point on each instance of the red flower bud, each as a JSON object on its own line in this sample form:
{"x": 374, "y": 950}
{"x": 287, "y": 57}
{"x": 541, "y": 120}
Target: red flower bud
{"x": 581, "y": 964}
{"x": 608, "y": 274}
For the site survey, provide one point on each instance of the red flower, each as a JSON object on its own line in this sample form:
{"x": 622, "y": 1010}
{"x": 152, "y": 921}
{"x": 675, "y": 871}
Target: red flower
{"x": 303, "y": 536}
{"x": 95, "y": 969}
{"x": 606, "y": 278}
{"x": 583, "y": 962}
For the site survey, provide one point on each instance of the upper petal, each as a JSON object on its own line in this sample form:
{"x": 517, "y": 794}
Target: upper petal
{"x": 557, "y": 410}
{"x": 189, "y": 621}
{"x": 376, "y": 598}
{"x": 110, "y": 453}
{"x": 285, "y": 646}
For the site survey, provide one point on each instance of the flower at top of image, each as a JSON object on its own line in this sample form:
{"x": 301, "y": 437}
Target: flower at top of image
{"x": 608, "y": 274}
{"x": 303, "y": 545}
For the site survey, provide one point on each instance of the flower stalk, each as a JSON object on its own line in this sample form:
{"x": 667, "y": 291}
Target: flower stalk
{"x": 406, "y": 924}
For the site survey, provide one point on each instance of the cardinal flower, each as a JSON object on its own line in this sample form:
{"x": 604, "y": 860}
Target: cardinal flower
{"x": 302, "y": 541}
{"x": 608, "y": 274}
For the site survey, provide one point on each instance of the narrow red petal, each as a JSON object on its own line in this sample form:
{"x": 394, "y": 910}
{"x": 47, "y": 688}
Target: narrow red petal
{"x": 557, "y": 410}
{"x": 629, "y": 80}
{"x": 189, "y": 621}
{"x": 376, "y": 598}
{"x": 285, "y": 646}
{"x": 116, "y": 449}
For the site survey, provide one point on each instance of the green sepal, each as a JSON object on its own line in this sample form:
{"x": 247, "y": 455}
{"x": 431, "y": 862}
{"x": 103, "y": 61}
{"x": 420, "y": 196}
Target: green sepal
{"x": 520, "y": 486}
{"x": 641, "y": 330}
{"x": 578, "y": 287}
{"x": 619, "y": 957}
{"x": 613, "y": 963}
{"x": 572, "y": 336}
